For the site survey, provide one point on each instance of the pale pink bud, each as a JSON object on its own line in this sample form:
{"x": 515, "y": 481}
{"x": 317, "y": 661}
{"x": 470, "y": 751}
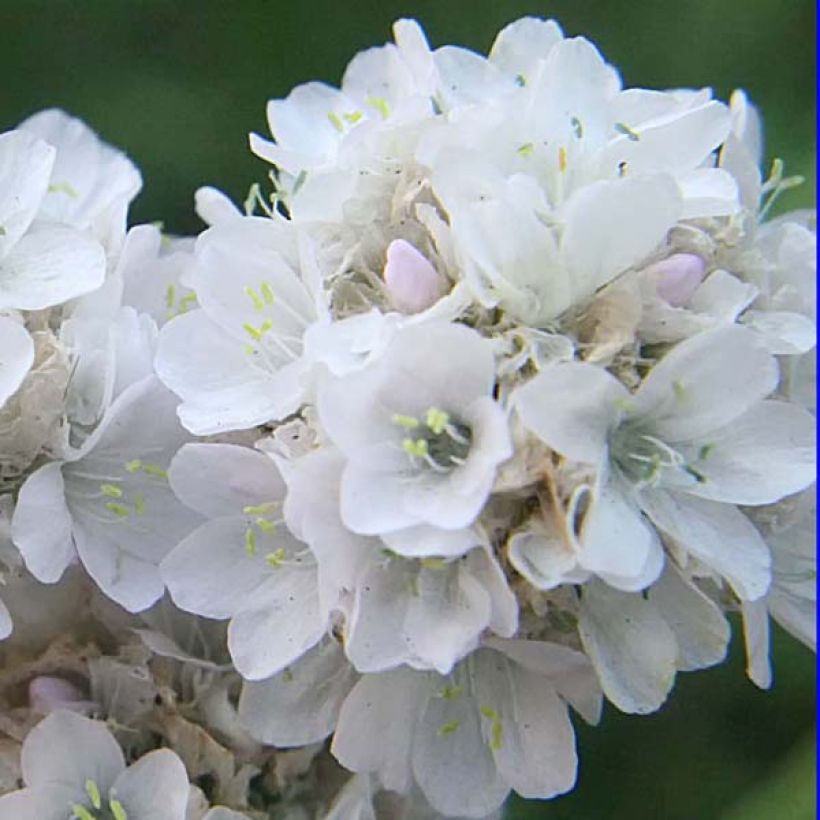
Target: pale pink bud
{"x": 46, "y": 693}
{"x": 677, "y": 277}
{"x": 413, "y": 284}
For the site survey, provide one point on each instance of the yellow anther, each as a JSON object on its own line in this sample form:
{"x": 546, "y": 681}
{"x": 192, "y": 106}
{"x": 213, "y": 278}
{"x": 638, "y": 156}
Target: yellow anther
{"x": 133, "y": 466}
{"x": 623, "y": 128}
{"x": 267, "y": 292}
{"x": 526, "y": 149}
{"x": 139, "y": 504}
{"x": 408, "y": 422}
{"x": 417, "y": 448}
{"x": 250, "y": 542}
{"x": 63, "y": 188}
{"x": 448, "y": 728}
{"x": 335, "y": 121}
{"x": 186, "y": 301}
{"x": 450, "y": 692}
{"x": 496, "y": 729}
{"x": 117, "y": 809}
{"x": 120, "y": 510}
{"x": 154, "y": 470}
{"x": 93, "y": 792}
{"x": 433, "y": 563}
{"x": 81, "y": 812}
{"x": 258, "y": 304}
{"x": 265, "y": 525}
{"x": 111, "y": 490}
{"x": 274, "y": 559}
{"x": 260, "y": 509}
{"x": 255, "y": 334}
{"x": 436, "y": 420}
{"x": 678, "y": 389}
{"x": 170, "y": 295}
{"x": 353, "y": 117}
{"x": 562, "y": 159}
{"x": 380, "y": 104}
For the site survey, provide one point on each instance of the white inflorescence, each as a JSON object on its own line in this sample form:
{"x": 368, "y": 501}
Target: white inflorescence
{"x": 489, "y": 407}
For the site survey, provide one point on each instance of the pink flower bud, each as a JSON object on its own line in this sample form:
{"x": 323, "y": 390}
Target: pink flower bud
{"x": 413, "y": 284}
{"x": 46, "y": 693}
{"x": 677, "y": 277}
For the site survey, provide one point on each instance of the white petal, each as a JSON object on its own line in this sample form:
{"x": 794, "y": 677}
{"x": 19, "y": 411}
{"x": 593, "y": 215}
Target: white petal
{"x": 706, "y": 382}
{"x": 765, "y": 454}
{"x": 210, "y": 571}
{"x": 701, "y": 630}
{"x": 46, "y": 549}
{"x": 16, "y": 356}
{"x": 44, "y": 804}
{"x": 279, "y": 622}
{"x": 300, "y": 705}
{"x": 382, "y": 708}
{"x": 784, "y": 333}
{"x": 630, "y": 645}
{"x": 452, "y": 760}
{"x": 613, "y": 225}
{"x": 221, "y": 479}
{"x": 571, "y": 407}
{"x": 614, "y": 537}
{"x": 518, "y": 46}
{"x": 535, "y": 751}
{"x": 50, "y": 754}
{"x": 153, "y": 788}
{"x": 708, "y": 192}
{"x": 25, "y": 168}
{"x": 718, "y": 534}
{"x": 49, "y": 265}
{"x": 220, "y": 386}
{"x": 756, "y": 636}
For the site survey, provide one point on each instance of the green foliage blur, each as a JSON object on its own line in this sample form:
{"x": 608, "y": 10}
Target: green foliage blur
{"x": 178, "y": 86}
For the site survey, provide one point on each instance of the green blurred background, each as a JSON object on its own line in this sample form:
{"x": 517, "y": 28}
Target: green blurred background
{"x": 178, "y": 85}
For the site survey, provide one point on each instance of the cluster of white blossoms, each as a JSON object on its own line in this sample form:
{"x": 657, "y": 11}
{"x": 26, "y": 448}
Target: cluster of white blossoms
{"x": 490, "y": 408}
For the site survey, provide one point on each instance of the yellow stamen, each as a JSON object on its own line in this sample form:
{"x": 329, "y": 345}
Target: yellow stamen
{"x": 133, "y": 466}
{"x": 436, "y": 420}
{"x": 260, "y": 509}
{"x": 448, "y": 728}
{"x": 250, "y": 542}
{"x": 117, "y": 809}
{"x": 433, "y": 563}
{"x": 380, "y": 104}
{"x": 154, "y": 470}
{"x": 258, "y": 304}
{"x": 93, "y": 792}
{"x": 335, "y": 121}
{"x": 417, "y": 448}
{"x": 81, "y": 812}
{"x": 562, "y": 159}
{"x": 170, "y": 296}
{"x": 353, "y": 117}
{"x": 526, "y": 149}
{"x": 111, "y": 490}
{"x": 408, "y": 422}
{"x": 265, "y": 525}
{"x": 267, "y": 292}
{"x": 450, "y": 692}
{"x": 120, "y": 510}
{"x": 274, "y": 559}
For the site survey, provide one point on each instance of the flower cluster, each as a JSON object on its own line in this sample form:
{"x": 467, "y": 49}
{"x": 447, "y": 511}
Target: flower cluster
{"x": 490, "y": 407}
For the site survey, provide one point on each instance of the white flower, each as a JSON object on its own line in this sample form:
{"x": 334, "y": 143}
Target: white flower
{"x": 246, "y": 367}
{"x": 73, "y": 767}
{"x": 498, "y": 721}
{"x": 91, "y": 185}
{"x": 421, "y": 596}
{"x": 420, "y": 431}
{"x": 694, "y": 440}
{"x": 41, "y": 263}
{"x": 109, "y": 502}
{"x": 242, "y": 563}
